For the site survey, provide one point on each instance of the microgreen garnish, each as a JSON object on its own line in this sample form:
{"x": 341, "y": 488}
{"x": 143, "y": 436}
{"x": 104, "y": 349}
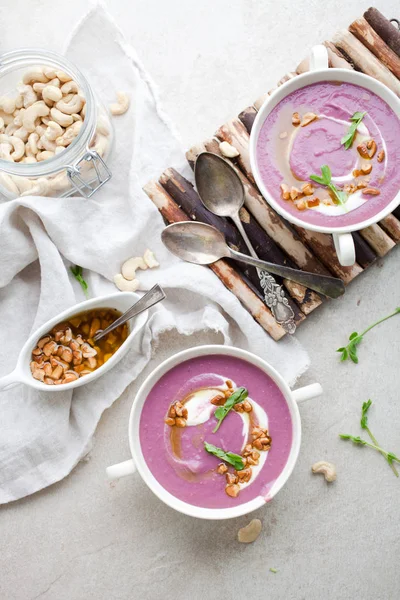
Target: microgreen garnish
{"x": 326, "y": 180}
{"x": 348, "y": 138}
{"x": 273, "y": 570}
{"x": 229, "y": 457}
{"x": 238, "y": 396}
{"x": 390, "y": 456}
{"x": 364, "y": 425}
{"x": 77, "y": 273}
{"x": 350, "y": 351}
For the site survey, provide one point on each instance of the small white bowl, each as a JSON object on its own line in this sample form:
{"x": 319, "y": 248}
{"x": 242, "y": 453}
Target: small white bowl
{"x": 22, "y": 373}
{"x": 138, "y": 462}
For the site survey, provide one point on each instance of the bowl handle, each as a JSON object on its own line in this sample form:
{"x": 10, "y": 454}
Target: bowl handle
{"x": 9, "y": 381}
{"x": 121, "y": 469}
{"x": 319, "y": 58}
{"x": 307, "y": 392}
{"x": 345, "y": 249}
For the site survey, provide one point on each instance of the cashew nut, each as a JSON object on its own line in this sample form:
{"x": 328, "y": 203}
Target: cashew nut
{"x": 76, "y": 117}
{"x": 41, "y": 188}
{"x": 326, "y": 468}
{"x": 28, "y": 94}
{"x": 100, "y": 144}
{"x": 47, "y": 144}
{"x": 19, "y": 101}
{"x": 60, "y": 182}
{"x": 102, "y": 126}
{"x": 53, "y": 131}
{"x": 18, "y": 116}
{"x": 228, "y": 150}
{"x": 122, "y": 104}
{"x": 7, "y": 118}
{"x": 249, "y": 534}
{"x": 124, "y": 285}
{"x": 29, "y": 159}
{"x": 62, "y": 76}
{"x": 5, "y": 151}
{"x": 38, "y": 109}
{"x": 61, "y": 118}
{"x": 11, "y": 129}
{"x": 150, "y": 259}
{"x": 22, "y": 134}
{"x": 24, "y": 184}
{"x": 73, "y": 106}
{"x": 35, "y": 74}
{"x": 32, "y": 142}
{"x": 45, "y": 155}
{"x": 131, "y": 265}
{"x": 18, "y": 145}
{"x": 1, "y": 123}
{"x": 7, "y": 104}
{"x": 70, "y": 87}
{"x": 70, "y": 134}
{"x": 8, "y": 183}
{"x": 40, "y": 130}
{"x": 51, "y": 93}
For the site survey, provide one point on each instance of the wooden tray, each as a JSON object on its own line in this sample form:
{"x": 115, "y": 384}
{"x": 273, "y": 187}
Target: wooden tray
{"x": 371, "y": 44}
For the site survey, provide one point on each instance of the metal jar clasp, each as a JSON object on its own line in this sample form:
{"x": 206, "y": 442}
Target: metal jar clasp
{"x": 87, "y": 188}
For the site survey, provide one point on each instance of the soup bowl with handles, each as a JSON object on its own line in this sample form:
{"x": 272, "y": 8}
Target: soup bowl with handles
{"x": 319, "y": 72}
{"x": 138, "y": 463}
{"x": 120, "y": 301}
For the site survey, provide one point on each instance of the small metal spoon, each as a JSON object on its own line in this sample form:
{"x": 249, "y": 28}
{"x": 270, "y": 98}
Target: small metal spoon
{"x": 152, "y": 297}
{"x": 203, "y": 245}
{"x": 222, "y": 193}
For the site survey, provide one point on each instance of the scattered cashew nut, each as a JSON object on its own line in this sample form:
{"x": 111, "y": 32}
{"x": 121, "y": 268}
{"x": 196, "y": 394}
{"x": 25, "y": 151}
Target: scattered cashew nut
{"x": 124, "y": 285}
{"x": 131, "y": 265}
{"x": 326, "y": 468}
{"x": 250, "y": 533}
{"x": 121, "y": 106}
{"x": 150, "y": 259}
{"x": 228, "y": 150}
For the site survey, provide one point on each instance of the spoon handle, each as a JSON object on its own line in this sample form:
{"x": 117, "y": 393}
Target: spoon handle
{"x": 274, "y": 295}
{"x": 152, "y": 297}
{"x": 329, "y": 286}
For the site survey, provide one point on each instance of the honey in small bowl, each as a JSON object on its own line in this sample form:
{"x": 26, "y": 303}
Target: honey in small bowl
{"x": 68, "y": 352}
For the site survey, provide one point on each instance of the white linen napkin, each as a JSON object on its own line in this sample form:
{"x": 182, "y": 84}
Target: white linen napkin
{"x": 44, "y": 435}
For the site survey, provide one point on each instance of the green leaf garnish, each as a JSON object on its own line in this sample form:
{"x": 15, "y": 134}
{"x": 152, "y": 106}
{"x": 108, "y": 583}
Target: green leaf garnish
{"x": 326, "y": 180}
{"x": 273, "y": 570}
{"x": 348, "y": 138}
{"x": 77, "y": 273}
{"x": 229, "y": 457}
{"x": 350, "y": 351}
{"x": 238, "y": 396}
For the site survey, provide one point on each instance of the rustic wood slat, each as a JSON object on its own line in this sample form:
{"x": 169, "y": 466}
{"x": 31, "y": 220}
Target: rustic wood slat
{"x": 371, "y": 40}
{"x": 229, "y": 277}
{"x": 392, "y": 226}
{"x": 365, "y": 60}
{"x": 365, "y": 256}
{"x": 378, "y": 239}
{"x": 247, "y": 117}
{"x": 384, "y": 29}
{"x": 235, "y": 133}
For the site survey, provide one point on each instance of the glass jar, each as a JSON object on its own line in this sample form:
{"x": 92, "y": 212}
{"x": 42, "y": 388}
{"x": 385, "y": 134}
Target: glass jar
{"x": 80, "y": 168}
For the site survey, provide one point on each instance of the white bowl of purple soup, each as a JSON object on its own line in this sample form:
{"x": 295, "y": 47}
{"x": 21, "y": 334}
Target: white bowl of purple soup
{"x": 339, "y": 119}
{"x": 214, "y": 432}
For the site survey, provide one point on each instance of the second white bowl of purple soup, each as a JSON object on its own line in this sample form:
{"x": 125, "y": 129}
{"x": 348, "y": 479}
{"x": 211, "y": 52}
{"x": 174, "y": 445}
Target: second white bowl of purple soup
{"x": 172, "y": 459}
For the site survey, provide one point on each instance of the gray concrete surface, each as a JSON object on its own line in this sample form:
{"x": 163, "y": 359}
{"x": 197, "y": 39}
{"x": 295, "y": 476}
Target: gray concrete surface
{"x": 87, "y": 539}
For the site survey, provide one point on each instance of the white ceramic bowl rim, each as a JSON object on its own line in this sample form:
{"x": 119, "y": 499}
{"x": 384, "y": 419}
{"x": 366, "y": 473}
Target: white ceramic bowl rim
{"x": 309, "y": 78}
{"x": 119, "y": 300}
{"x": 146, "y": 474}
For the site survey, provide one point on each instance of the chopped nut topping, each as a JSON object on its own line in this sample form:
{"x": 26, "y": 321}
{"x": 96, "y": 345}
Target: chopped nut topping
{"x": 180, "y": 422}
{"x": 229, "y": 384}
{"x": 371, "y": 145}
{"x": 285, "y": 190}
{"x": 301, "y": 204}
{"x": 312, "y": 202}
{"x": 177, "y": 415}
{"x": 247, "y": 406}
{"x": 296, "y": 119}
{"x": 363, "y": 150}
{"x": 381, "y": 156}
{"x": 169, "y": 421}
{"x": 371, "y": 191}
{"x": 222, "y": 469}
{"x": 232, "y": 490}
{"x": 239, "y": 407}
{"x": 294, "y": 193}
{"x": 308, "y": 118}
{"x": 231, "y": 478}
{"x": 366, "y": 169}
{"x": 307, "y": 189}
{"x": 244, "y": 475}
{"x": 283, "y": 135}
{"x": 218, "y": 400}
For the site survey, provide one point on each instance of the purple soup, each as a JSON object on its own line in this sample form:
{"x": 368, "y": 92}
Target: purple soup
{"x": 306, "y": 130}
{"x": 176, "y": 455}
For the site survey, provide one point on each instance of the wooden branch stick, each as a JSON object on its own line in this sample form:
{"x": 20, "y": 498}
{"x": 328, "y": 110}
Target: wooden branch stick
{"x": 235, "y": 133}
{"x": 377, "y": 239}
{"x": 371, "y": 40}
{"x": 365, "y": 256}
{"x": 247, "y": 117}
{"x": 365, "y": 60}
{"x": 185, "y": 195}
{"x": 229, "y": 277}
{"x": 392, "y": 226}
{"x": 264, "y": 246}
{"x": 384, "y": 28}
